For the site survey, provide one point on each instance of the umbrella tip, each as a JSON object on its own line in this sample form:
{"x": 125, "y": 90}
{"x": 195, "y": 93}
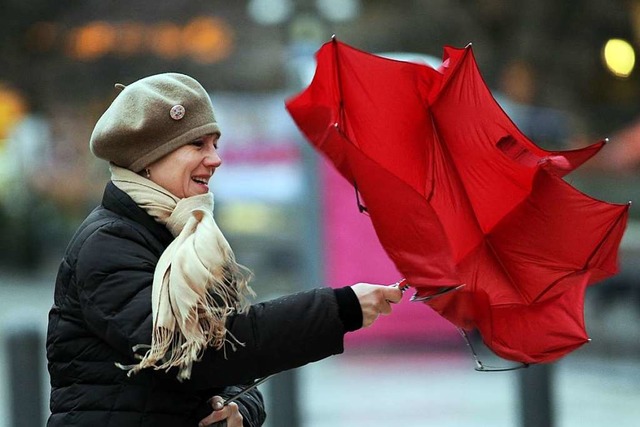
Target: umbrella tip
{"x": 629, "y": 203}
{"x": 606, "y": 140}
{"x": 333, "y": 37}
{"x": 469, "y": 45}
{"x": 443, "y": 290}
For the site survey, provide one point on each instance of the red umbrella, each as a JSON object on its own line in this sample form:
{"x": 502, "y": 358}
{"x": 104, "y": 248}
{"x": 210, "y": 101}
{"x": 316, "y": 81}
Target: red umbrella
{"x": 467, "y": 207}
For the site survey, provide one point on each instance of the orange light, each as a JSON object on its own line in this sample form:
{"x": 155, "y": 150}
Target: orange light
{"x": 164, "y": 40}
{"x": 91, "y": 41}
{"x": 207, "y": 39}
{"x": 130, "y": 38}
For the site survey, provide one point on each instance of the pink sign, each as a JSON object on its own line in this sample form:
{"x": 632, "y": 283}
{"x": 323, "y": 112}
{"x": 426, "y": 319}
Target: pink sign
{"x": 353, "y": 254}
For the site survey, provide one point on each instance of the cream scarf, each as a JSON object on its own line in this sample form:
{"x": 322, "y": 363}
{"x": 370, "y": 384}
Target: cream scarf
{"x": 196, "y": 283}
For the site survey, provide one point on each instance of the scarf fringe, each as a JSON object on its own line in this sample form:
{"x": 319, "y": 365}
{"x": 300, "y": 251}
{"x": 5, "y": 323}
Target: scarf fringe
{"x": 176, "y": 348}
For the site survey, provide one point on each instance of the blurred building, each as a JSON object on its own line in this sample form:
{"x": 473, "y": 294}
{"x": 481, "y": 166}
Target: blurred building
{"x": 69, "y": 51}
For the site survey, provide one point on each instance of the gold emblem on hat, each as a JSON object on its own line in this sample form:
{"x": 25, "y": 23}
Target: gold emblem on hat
{"x": 177, "y": 112}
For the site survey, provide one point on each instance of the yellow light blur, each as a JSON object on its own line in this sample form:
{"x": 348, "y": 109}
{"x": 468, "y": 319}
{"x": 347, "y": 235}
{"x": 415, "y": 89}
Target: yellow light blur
{"x": 250, "y": 218}
{"x": 207, "y": 39}
{"x": 12, "y": 109}
{"x": 91, "y": 41}
{"x": 619, "y": 57}
{"x": 164, "y": 40}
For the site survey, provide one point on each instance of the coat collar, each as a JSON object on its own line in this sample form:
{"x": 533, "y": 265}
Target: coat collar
{"x": 119, "y": 202}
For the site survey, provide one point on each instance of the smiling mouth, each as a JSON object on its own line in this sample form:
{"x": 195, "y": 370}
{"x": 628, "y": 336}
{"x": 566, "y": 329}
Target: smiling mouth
{"x": 202, "y": 181}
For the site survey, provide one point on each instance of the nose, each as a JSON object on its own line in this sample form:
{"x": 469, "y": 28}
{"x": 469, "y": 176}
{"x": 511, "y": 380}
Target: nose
{"x": 212, "y": 159}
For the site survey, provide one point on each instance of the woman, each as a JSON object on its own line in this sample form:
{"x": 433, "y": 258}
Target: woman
{"x": 150, "y": 324}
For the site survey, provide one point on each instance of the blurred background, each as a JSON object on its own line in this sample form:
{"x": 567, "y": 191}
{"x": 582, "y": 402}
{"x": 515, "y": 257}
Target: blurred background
{"x": 563, "y": 71}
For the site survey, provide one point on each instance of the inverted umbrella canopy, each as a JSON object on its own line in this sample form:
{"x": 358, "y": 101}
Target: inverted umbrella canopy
{"x": 459, "y": 196}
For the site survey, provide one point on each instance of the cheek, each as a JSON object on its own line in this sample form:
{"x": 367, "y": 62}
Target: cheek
{"x": 174, "y": 173}
{"x": 186, "y": 170}
{"x": 180, "y": 182}
{"x": 174, "y": 179}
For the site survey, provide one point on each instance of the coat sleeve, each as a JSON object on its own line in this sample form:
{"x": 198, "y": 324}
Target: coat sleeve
{"x": 250, "y": 405}
{"x": 274, "y": 336}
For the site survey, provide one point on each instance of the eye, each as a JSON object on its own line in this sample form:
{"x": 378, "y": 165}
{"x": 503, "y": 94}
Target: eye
{"x": 197, "y": 143}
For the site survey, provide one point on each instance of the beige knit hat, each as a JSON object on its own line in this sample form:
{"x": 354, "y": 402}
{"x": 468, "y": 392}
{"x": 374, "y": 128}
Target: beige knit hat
{"x": 152, "y": 117}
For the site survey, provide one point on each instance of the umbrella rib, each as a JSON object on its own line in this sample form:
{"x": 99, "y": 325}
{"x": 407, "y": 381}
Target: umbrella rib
{"x": 505, "y": 270}
{"x": 605, "y": 237}
{"x": 447, "y": 153}
{"x": 362, "y": 208}
{"x": 334, "y": 41}
{"x": 455, "y": 70}
{"x": 555, "y": 282}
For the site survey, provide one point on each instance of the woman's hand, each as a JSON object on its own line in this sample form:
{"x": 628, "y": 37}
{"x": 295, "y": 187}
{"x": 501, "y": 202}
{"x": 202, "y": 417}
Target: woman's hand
{"x": 228, "y": 413}
{"x": 375, "y": 300}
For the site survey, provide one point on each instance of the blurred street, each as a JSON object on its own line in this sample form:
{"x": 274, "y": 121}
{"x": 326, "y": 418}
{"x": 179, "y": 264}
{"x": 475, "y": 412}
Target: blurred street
{"x": 443, "y": 390}
{"x": 380, "y": 387}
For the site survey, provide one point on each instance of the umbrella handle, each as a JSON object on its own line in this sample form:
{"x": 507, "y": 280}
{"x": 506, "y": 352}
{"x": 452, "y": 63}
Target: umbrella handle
{"x": 402, "y": 285}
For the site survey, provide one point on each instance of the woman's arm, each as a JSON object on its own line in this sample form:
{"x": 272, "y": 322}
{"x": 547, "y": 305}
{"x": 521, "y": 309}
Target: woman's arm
{"x": 274, "y": 336}
{"x": 291, "y": 331}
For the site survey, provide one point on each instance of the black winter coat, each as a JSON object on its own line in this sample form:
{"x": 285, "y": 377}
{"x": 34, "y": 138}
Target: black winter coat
{"x": 102, "y": 309}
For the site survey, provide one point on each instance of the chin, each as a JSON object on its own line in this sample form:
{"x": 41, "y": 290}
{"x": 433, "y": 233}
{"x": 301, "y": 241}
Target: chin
{"x": 197, "y": 192}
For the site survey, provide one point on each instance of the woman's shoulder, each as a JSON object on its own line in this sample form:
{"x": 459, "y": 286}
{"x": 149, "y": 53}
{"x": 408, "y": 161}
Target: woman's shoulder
{"x": 106, "y": 238}
{"x": 106, "y": 243}
{"x": 103, "y": 224}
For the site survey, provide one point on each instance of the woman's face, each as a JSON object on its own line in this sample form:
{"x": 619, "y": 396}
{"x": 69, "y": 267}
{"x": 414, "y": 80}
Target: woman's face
{"x": 186, "y": 171}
